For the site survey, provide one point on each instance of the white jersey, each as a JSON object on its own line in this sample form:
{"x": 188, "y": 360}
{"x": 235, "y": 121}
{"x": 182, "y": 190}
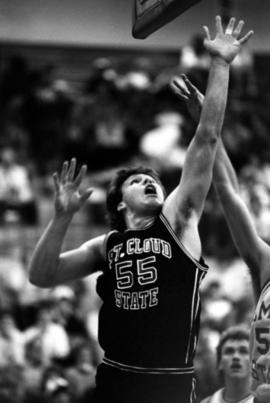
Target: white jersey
{"x": 260, "y": 335}
{"x": 217, "y": 397}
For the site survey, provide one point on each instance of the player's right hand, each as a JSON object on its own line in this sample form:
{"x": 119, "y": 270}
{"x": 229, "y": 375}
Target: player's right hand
{"x": 68, "y": 197}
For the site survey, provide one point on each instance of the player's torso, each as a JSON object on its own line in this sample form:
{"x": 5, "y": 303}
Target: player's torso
{"x": 150, "y": 290}
{"x": 218, "y": 397}
{"x": 260, "y": 335}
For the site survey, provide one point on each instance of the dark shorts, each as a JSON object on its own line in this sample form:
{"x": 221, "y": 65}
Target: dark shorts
{"x": 117, "y": 386}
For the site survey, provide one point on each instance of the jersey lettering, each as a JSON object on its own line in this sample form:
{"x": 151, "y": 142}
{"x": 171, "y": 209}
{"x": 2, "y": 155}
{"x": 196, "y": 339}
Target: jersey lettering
{"x": 125, "y": 278}
{"x": 264, "y": 312}
{"x": 146, "y": 274}
{"x": 137, "y": 246}
{"x": 137, "y": 299}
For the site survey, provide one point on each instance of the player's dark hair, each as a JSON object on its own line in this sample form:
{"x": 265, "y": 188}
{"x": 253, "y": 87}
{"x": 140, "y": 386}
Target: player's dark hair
{"x": 114, "y": 194}
{"x": 239, "y": 332}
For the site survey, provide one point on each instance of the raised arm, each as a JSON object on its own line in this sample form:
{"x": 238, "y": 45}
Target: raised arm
{"x": 254, "y": 251}
{"x": 186, "y": 203}
{"x": 48, "y": 266}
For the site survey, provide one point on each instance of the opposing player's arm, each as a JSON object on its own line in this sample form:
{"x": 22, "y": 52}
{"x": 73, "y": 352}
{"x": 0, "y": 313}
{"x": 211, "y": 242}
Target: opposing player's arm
{"x": 251, "y": 247}
{"x": 187, "y": 200}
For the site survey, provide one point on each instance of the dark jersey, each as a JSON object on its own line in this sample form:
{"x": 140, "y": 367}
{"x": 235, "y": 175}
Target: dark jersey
{"x": 150, "y": 315}
{"x": 260, "y": 337}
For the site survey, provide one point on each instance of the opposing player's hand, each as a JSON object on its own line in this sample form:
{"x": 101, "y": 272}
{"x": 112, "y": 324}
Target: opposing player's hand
{"x": 68, "y": 197}
{"x": 262, "y": 392}
{"x": 226, "y": 44}
{"x": 184, "y": 89}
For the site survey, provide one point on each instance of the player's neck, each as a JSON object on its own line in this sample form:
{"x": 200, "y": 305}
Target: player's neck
{"x": 136, "y": 222}
{"x": 236, "y": 391}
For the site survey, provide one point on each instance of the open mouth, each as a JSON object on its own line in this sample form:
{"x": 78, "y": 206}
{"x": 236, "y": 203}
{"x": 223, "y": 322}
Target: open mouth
{"x": 236, "y": 367}
{"x": 150, "y": 190}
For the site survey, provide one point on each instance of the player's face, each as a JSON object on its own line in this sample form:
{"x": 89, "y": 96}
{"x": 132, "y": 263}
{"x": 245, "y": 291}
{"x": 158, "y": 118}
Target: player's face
{"x": 235, "y": 359}
{"x": 143, "y": 193}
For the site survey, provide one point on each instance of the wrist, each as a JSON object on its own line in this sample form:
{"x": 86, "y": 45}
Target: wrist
{"x": 62, "y": 218}
{"x": 219, "y": 61}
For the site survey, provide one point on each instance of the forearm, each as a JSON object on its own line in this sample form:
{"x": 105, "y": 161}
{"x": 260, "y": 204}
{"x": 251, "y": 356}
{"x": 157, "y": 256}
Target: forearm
{"x": 214, "y": 105}
{"x": 45, "y": 259}
{"x": 224, "y": 175}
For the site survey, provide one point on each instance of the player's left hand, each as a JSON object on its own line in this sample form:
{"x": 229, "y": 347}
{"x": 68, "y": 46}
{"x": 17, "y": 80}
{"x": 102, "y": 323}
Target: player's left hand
{"x": 184, "y": 89}
{"x": 226, "y": 44}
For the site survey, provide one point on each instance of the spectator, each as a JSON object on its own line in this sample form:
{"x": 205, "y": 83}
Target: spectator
{"x": 11, "y": 341}
{"x": 81, "y": 375}
{"x": 54, "y": 386}
{"x": 234, "y": 367}
{"x": 53, "y": 337}
{"x": 17, "y": 200}
{"x": 33, "y": 369}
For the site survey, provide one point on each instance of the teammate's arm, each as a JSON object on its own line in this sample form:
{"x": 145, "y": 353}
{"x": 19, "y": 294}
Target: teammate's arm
{"x": 187, "y": 200}
{"x": 48, "y": 266}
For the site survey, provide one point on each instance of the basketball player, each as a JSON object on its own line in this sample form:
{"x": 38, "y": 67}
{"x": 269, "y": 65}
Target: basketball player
{"x": 151, "y": 262}
{"x": 254, "y": 251}
{"x": 234, "y": 367}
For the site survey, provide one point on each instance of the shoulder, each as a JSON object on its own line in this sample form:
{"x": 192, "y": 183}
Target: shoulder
{"x": 263, "y": 262}
{"x": 96, "y": 246}
{"x": 206, "y": 400}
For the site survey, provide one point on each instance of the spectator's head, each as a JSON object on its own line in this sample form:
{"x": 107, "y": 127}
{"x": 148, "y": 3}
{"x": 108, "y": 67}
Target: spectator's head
{"x": 115, "y": 194}
{"x": 7, "y": 323}
{"x": 33, "y": 352}
{"x": 233, "y": 353}
{"x": 83, "y": 355}
{"x": 8, "y": 156}
{"x": 45, "y": 312}
{"x": 54, "y": 386}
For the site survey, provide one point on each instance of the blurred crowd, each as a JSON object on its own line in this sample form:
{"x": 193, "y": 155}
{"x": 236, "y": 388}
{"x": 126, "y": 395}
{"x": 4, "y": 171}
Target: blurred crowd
{"x": 121, "y": 115}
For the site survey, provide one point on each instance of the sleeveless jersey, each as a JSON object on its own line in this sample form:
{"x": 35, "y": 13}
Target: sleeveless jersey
{"x": 217, "y": 397}
{"x": 149, "y": 320}
{"x": 260, "y": 336}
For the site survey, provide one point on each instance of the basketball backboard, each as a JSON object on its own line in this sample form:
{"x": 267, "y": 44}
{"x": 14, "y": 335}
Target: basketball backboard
{"x": 150, "y": 15}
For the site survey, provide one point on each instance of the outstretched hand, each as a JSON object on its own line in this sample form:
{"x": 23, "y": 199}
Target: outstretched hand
{"x": 185, "y": 90}
{"x": 226, "y": 44}
{"x": 68, "y": 197}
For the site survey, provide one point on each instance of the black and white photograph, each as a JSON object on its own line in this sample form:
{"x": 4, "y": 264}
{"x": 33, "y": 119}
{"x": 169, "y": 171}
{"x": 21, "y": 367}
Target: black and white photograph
{"x": 134, "y": 201}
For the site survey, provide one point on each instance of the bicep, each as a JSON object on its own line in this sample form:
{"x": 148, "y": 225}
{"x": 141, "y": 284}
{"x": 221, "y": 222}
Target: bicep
{"x": 81, "y": 262}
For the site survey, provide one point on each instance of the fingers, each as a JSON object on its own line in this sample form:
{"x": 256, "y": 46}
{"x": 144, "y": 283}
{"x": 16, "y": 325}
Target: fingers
{"x": 68, "y": 173}
{"x": 80, "y": 175}
{"x": 56, "y": 181}
{"x": 64, "y": 171}
{"x": 86, "y": 194}
{"x": 190, "y": 86}
{"x": 219, "y": 27}
{"x": 71, "y": 170}
{"x": 230, "y": 26}
{"x": 238, "y": 29}
{"x": 246, "y": 37}
{"x": 207, "y": 33}
{"x": 179, "y": 88}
